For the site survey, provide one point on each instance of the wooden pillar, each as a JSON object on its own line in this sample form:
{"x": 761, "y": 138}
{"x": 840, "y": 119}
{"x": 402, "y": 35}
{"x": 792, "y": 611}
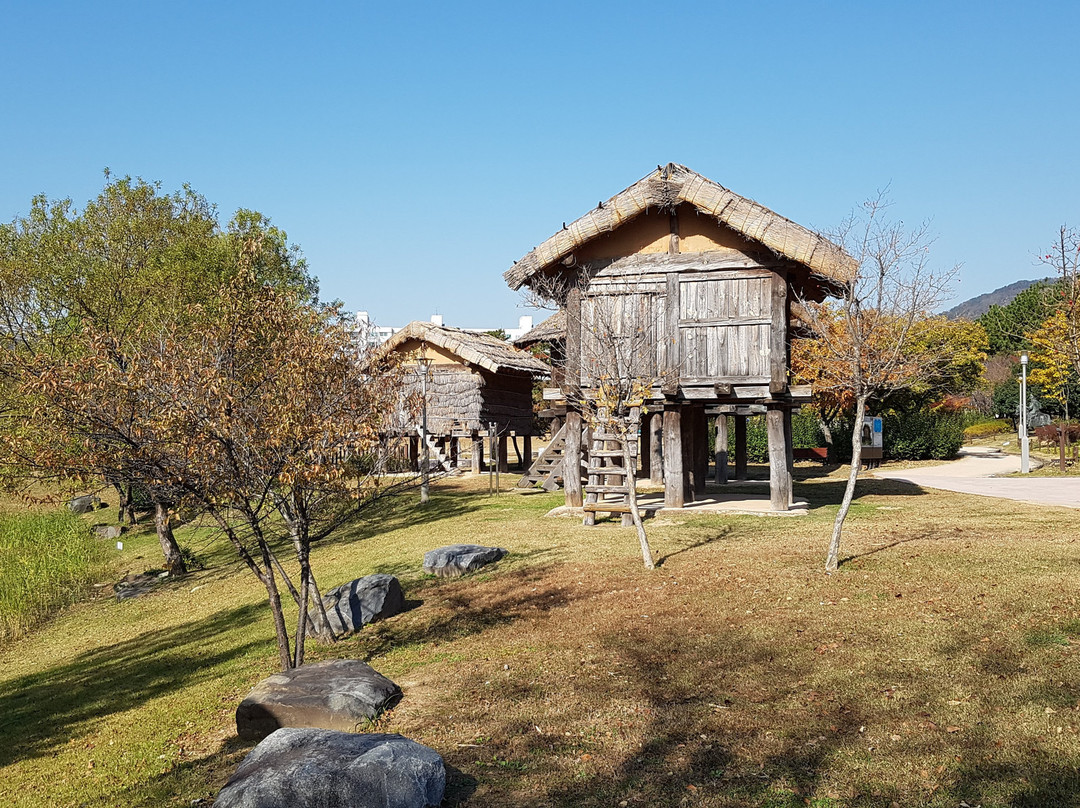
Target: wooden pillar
{"x": 572, "y": 460}
{"x": 700, "y": 449}
{"x": 454, "y": 452}
{"x": 688, "y": 425}
{"x": 645, "y": 446}
{"x": 721, "y": 449}
{"x": 779, "y": 480}
{"x": 527, "y": 457}
{"x": 477, "y": 453}
{"x": 789, "y": 449}
{"x": 414, "y": 453}
{"x": 740, "y": 447}
{"x": 674, "y": 479}
{"x": 504, "y": 462}
{"x": 656, "y": 448}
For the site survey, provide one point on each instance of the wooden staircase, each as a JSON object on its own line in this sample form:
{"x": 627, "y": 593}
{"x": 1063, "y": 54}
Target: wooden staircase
{"x": 547, "y": 470}
{"x": 608, "y": 488}
{"x": 435, "y": 451}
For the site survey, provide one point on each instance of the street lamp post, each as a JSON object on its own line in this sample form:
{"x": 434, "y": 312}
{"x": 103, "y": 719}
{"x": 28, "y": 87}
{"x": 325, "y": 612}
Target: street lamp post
{"x": 425, "y": 460}
{"x": 1025, "y": 462}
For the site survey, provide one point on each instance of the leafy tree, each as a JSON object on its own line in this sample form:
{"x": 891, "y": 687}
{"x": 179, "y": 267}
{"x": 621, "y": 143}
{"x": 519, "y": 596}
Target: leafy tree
{"x": 132, "y": 261}
{"x": 250, "y": 416}
{"x": 879, "y": 338}
{"x": 1007, "y": 326}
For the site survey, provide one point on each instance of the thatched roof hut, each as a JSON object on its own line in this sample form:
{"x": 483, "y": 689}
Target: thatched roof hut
{"x": 475, "y": 380}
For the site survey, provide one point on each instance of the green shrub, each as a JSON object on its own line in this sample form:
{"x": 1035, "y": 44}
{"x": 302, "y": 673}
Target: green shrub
{"x": 985, "y": 428}
{"x": 922, "y": 435}
{"x": 47, "y": 561}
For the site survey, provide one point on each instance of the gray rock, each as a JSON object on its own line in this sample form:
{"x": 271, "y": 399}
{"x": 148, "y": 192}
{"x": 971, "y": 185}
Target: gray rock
{"x": 457, "y": 559}
{"x": 109, "y": 531}
{"x": 84, "y": 504}
{"x": 314, "y": 768}
{"x": 343, "y": 694}
{"x": 352, "y": 606}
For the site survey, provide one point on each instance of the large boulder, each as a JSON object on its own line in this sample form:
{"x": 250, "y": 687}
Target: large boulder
{"x": 352, "y": 606}
{"x": 314, "y": 768}
{"x": 343, "y": 694}
{"x": 455, "y": 560}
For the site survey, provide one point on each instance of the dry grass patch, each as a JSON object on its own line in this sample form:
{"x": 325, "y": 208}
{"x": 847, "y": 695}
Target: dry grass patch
{"x": 939, "y": 666}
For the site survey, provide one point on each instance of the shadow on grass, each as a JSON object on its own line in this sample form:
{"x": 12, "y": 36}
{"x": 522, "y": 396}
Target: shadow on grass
{"x": 822, "y": 494}
{"x": 722, "y": 533}
{"x": 41, "y": 711}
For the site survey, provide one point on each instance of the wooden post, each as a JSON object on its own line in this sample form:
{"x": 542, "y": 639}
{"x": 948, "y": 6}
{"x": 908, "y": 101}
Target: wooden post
{"x": 477, "y": 453}
{"x": 674, "y": 479}
{"x": 1061, "y": 447}
{"x": 779, "y": 481}
{"x": 721, "y": 449}
{"x": 656, "y": 448}
{"x": 740, "y": 447}
{"x": 527, "y": 460}
{"x": 414, "y": 453}
{"x": 572, "y": 460}
{"x": 688, "y": 428}
{"x": 504, "y": 462}
{"x": 789, "y": 452}
{"x": 700, "y": 449}
{"x": 644, "y": 447}
{"x": 455, "y": 449}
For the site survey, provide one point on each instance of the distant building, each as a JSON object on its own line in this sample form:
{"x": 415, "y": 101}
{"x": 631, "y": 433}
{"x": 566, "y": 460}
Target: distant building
{"x": 367, "y": 334}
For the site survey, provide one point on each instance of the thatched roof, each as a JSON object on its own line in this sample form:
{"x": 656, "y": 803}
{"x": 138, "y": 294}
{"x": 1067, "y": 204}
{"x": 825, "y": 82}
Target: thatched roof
{"x": 552, "y": 329}
{"x": 666, "y": 188}
{"x": 482, "y": 350}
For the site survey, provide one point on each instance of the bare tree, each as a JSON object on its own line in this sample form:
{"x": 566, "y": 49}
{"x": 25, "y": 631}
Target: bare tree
{"x": 877, "y": 338}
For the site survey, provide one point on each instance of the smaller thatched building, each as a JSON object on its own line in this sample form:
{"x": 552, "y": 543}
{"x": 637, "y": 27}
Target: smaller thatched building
{"x": 477, "y": 386}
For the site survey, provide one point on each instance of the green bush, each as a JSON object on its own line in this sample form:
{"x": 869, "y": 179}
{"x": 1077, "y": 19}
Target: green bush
{"x": 805, "y": 429}
{"x": 984, "y": 428}
{"x": 47, "y": 561}
{"x": 922, "y": 435}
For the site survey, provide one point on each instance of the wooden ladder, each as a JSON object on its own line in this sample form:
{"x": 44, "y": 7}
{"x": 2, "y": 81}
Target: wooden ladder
{"x": 608, "y": 488}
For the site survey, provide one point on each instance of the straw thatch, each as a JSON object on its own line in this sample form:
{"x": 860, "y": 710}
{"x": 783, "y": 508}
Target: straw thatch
{"x": 481, "y": 350}
{"x": 553, "y": 329}
{"x": 671, "y": 185}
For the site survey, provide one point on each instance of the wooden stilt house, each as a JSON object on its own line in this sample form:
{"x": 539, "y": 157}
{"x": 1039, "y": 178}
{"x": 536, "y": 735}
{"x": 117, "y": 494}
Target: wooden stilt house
{"x": 477, "y": 386}
{"x": 703, "y": 281}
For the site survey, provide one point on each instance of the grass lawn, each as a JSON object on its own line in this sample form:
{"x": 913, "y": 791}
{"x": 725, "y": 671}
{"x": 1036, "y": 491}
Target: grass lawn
{"x": 938, "y": 667}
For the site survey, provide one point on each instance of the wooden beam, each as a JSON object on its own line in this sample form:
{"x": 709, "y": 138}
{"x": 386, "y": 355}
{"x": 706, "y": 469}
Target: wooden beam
{"x": 740, "y": 447}
{"x": 477, "y": 453}
{"x": 670, "y": 361}
{"x": 673, "y": 226}
{"x": 527, "y": 452}
{"x": 572, "y": 379}
{"x": 778, "y": 359}
{"x": 779, "y": 479}
{"x": 674, "y": 482}
{"x": 721, "y": 455}
{"x": 656, "y": 447}
{"x": 700, "y": 449}
{"x": 789, "y": 449}
{"x": 572, "y": 460}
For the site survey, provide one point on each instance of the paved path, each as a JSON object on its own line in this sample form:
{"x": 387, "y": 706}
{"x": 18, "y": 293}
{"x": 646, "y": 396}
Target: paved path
{"x": 973, "y": 474}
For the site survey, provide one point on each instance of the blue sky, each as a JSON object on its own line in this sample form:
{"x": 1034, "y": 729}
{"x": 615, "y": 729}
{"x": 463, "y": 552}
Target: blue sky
{"x": 414, "y": 151}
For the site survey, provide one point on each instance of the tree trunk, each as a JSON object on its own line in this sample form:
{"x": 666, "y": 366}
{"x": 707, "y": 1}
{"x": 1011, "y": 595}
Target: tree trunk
{"x": 274, "y": 597}
{"x": 174, "y": 560}
{"x": 830, "y": 449}
{"x": 631, "y": 495}
{"x": 832, "y": 560}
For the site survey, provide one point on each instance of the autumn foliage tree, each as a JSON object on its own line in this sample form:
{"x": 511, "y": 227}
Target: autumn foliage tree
{"x": 879, "y": 338}
{"x": 261, "y": 416}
